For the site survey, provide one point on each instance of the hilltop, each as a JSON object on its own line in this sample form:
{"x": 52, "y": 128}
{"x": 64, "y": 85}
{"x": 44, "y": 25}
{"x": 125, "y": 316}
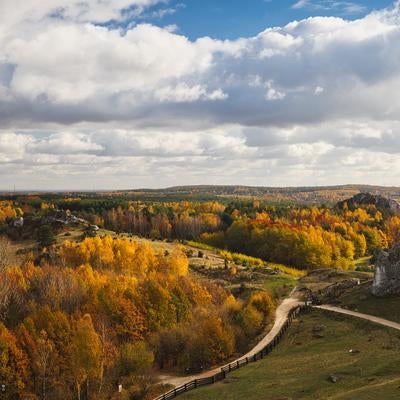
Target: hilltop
{"x": 380, "y": 202}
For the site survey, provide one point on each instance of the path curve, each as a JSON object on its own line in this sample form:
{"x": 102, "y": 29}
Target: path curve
{"x": 368, "y": 317}
{"x": 281, "y": 315}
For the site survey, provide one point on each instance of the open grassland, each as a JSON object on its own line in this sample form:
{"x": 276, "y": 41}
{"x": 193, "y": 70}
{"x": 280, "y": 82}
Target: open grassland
{"x": 322, "y": 278}
{"x": 242, "y": 281}
{"x": 360, "y": 299}
{"x": 315, "y": 349}
{"x": 242, "y": 259}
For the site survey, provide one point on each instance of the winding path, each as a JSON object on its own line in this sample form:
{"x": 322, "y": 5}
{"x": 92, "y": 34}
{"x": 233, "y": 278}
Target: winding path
{"x": 372, "y": 318}
{"x": 281, "y": 316}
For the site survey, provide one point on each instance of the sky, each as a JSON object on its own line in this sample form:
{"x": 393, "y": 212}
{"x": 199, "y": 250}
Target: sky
{"x": 124, "y": 94}
{"x": 231, "y": 19}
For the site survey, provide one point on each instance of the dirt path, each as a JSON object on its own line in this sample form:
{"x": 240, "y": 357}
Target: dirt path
{"x": 280, "y": 318}
{"x": 376, "y": 320}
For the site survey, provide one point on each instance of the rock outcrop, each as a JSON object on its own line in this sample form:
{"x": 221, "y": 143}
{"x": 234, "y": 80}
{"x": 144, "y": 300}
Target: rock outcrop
{"x": 380, "y": 202}
{"x": 387, "y": 273}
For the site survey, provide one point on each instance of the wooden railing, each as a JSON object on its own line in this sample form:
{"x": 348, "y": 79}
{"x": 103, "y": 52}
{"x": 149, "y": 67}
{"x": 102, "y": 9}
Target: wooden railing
{"x": 221, "y": 375}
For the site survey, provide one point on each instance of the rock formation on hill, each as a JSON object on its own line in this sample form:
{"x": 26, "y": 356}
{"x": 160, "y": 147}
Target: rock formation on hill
{"x": 387, "y": 273}
{"x": 380, "y": 202}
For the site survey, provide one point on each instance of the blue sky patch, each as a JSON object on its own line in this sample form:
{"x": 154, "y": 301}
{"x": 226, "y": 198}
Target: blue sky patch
{"x": 230, "y": 19}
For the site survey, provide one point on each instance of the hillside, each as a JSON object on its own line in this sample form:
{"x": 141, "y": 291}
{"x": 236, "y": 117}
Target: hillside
{"x": 314, "y": 362}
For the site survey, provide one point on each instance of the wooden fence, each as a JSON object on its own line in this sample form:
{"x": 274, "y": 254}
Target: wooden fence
{"x": 221, "y": 375}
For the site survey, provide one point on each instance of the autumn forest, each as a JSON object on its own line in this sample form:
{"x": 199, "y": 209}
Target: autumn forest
{"x": 81, "y": 315}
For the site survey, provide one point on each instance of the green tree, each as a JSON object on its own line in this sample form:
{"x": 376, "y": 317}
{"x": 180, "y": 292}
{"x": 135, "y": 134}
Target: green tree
{"x": 46, "y": 236}
{"x": 135, "y": 359}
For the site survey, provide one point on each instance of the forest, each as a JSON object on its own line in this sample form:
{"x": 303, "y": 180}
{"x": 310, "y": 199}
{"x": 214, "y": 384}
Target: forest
{"x": 103, "y": 312}
{"x": 304, "y": 237}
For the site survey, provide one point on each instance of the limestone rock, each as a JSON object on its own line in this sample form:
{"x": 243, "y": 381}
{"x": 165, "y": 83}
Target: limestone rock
{"x": 333, "y": 378}
{"x": 387, "y": 273}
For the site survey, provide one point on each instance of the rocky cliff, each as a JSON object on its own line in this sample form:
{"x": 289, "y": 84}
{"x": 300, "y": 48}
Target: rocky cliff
{"x": 387, "y": 273}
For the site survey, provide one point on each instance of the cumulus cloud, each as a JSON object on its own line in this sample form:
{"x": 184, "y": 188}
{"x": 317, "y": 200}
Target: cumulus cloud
{"x": 13, "y": 13}
{"x": 315, "y": 96}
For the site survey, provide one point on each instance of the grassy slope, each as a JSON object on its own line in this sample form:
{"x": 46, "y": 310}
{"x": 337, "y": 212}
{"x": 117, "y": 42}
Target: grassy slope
{"x": 360, "y": 299}
{"x": 322, "y": 278}
{"x": 299, "y": 368}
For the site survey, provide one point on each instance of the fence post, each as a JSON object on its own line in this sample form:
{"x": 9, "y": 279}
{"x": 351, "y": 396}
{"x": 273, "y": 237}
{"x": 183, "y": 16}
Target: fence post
{"x": 195, "y": 383}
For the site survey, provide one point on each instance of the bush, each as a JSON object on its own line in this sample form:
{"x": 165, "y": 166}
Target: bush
{"x": 135, "y": 359}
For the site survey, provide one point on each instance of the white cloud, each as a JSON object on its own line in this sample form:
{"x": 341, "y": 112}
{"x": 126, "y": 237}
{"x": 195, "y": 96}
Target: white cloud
{"x": 319, "y": 90}
{"x": 315, "y": 96}
{"x": 64, "y": 143}
{"x": 272, "y": 93}
{"x": 182, "y": 93}
{"x": 94, "y": 61}
{"x": 20, "y": 11}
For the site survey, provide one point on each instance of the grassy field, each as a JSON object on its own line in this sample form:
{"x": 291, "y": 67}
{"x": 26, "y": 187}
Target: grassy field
{"x": 320, "y": 279}
{"x": 360, "y": 299}
{"x": 315, "y": 348}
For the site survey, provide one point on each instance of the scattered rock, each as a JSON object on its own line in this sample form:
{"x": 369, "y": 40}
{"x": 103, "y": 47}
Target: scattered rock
{"x": 319, "y": 328}
{"x": 333, "y": 378}
{"x": 354, "y": 351}
{"x": 318, "y": 331}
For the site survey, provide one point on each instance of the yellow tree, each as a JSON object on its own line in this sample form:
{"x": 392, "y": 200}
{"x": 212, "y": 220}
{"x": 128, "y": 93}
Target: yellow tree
{"x": 85, "y": 354}
{"x": 44, "y": 350}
